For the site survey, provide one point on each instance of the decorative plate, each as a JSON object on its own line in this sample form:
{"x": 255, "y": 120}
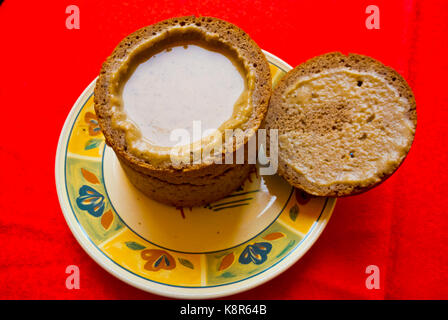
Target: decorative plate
{"x": 223, "y": 248}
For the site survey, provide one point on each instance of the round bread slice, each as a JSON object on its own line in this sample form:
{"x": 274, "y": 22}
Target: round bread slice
{"x": 345, "y": 124}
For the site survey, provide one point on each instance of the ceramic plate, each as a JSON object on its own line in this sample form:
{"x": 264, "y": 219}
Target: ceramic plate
{"x": 223, "y": 248}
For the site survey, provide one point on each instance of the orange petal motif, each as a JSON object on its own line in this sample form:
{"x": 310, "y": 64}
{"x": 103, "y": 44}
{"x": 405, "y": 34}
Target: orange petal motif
{"x": 89, "y": 117}
{"x": 227, "y": 261}
{"x": 158, "y": 259}
{"x": 273, "y": 236}
{"x": 106, "y": 219}
{"x": 89, "y": 176}
{"x": 92, "y": 121}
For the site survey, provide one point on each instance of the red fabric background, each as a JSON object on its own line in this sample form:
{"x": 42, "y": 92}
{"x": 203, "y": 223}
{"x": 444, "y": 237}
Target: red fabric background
{"x": 401, "y": 226}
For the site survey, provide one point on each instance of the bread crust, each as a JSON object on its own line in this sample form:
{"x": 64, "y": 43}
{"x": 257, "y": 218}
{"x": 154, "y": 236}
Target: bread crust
{"x": 227, "y": 33}
{"x": 315, "y": 65}
{"x": 189, "y": 195}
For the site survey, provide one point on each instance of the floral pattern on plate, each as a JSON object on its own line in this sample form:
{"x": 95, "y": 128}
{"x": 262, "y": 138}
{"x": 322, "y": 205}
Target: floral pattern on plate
{"x": 91, "y": 210}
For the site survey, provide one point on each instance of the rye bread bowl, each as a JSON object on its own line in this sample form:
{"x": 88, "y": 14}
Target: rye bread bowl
{"x": 215, "y": 32}
{"x": 345, "y": 124}
{"x": 190, "y": 195}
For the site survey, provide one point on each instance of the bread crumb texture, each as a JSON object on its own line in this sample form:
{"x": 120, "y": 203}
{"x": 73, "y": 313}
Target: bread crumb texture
{"x": 345, "y": 124}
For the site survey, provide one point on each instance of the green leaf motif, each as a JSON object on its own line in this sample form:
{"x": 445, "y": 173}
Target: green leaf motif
{"x": 186, "y": 263}
{"x": 227, "y": 275}
{"x": 294, "y": 212}
{"x": 92, "y": 144}
{"x": 288, "y": 246}
{"x": 134, "y": 245}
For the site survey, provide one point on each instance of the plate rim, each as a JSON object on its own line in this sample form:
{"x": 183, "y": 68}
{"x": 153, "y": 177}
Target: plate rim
{"x": 166, "y": 290}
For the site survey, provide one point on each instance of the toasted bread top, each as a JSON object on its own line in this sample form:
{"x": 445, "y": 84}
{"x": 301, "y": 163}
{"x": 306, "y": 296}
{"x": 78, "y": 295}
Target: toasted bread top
{"x": 345, "y": 124}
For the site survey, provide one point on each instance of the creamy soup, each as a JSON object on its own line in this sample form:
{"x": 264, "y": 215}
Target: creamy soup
{"x": 178, "y": 86}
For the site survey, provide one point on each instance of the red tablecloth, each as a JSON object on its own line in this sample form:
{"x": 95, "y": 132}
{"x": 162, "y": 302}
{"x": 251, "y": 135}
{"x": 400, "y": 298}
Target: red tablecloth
{"x": 400, "y": 226}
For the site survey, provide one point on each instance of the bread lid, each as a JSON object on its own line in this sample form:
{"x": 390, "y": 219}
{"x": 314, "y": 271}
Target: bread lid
{"x": 345, "y": 124}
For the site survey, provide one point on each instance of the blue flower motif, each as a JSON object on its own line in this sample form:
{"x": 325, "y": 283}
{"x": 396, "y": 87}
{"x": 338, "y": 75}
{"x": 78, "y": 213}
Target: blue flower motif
{"x": 91, "y": 200}
{"x": 256, "y": 253}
